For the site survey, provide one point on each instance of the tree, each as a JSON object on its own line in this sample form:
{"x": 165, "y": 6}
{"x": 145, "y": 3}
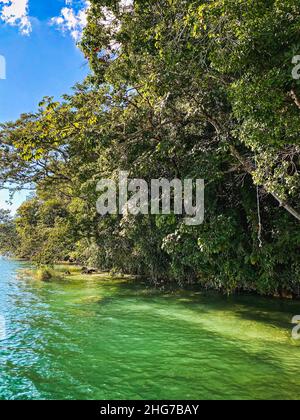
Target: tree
{"x": 8, "y": 236}
{"x": 188, "y": 89}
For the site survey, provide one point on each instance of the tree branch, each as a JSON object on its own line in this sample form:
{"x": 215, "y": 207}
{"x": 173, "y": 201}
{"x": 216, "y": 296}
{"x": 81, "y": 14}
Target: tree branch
{"x": 250, "y": 169}
{"x": 295, "y": 98}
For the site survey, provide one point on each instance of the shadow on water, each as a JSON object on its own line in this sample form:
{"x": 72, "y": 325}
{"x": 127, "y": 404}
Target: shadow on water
{"x": 248, "y": 307}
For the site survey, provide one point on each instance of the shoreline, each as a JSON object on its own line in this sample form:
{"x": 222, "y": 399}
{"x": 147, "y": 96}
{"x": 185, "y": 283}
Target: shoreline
{"x": 63, "y": 271}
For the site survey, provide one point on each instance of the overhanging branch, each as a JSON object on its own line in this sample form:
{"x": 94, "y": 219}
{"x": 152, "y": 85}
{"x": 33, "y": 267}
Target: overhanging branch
{"x": 248, "y": 167}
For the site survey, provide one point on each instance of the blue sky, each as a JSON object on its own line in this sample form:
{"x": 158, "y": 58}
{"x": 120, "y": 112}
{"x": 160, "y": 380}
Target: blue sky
{"x": 38, "y": 41}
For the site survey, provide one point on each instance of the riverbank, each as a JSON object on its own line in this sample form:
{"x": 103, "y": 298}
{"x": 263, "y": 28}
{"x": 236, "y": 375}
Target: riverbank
{"x": 70, "y": 272}
{"x": 74, "y": 272}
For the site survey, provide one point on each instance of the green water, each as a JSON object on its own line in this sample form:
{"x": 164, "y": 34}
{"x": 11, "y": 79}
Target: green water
{"x": 114, "y": 340}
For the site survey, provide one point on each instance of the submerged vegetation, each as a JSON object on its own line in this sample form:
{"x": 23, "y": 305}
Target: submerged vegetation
{"x": 178, "y": 89}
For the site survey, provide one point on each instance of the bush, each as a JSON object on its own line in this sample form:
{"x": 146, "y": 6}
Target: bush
{"x": 46, "y": 274}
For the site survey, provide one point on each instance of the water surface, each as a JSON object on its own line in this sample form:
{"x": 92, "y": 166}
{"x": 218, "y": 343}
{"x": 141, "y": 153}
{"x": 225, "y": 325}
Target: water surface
{"x": 119, "y": 340}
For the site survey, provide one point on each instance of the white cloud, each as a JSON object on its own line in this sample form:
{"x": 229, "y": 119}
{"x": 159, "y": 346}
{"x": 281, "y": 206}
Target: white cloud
{"x": 73, "y": 18}
{"x": 15, "y": 13}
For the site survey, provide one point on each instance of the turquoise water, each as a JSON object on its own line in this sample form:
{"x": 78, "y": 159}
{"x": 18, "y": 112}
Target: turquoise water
{"x": 113, "y": 340}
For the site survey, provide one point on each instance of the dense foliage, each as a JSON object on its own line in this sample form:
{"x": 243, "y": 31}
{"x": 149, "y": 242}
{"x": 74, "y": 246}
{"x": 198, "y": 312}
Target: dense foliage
{"x": 178, "y": 88}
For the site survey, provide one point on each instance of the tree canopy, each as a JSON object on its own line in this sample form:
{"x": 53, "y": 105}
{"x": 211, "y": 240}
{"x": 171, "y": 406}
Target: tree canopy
{"x": 178, "y": 88}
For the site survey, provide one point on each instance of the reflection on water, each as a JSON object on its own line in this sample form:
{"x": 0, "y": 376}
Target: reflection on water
{"x": 115, "y": 340}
